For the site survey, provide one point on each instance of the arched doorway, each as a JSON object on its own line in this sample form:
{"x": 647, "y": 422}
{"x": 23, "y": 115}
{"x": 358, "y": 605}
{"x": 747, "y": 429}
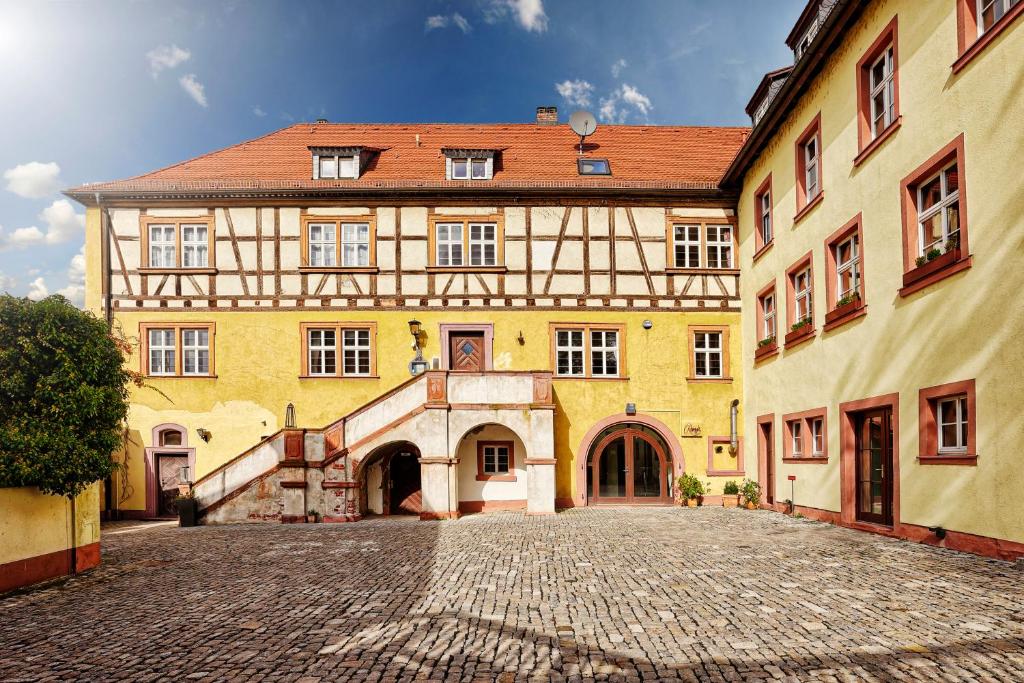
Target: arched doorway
{"x": 629, "y": 463}
{"x": 405, "y": 493}
{"x": 390, "y": 480}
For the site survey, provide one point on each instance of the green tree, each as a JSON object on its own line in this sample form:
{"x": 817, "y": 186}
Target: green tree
{"x": 63, "y": 395}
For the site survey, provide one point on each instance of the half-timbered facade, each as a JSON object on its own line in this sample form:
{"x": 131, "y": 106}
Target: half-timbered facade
{"x": 574, "y": 314}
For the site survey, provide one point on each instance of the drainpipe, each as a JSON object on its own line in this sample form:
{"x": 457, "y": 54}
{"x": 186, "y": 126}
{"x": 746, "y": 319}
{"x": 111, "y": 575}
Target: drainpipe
{"x": 734, "y": 441}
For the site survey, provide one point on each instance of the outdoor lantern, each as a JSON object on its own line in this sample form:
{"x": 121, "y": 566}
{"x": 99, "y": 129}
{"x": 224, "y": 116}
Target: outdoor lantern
{"x": 186, "y": 474}
{"x": 630, "y": 409}
{"x": 204, "y": 434}
{"x": 289, "y": 417}
{"x": 414, "y": 330}
{"x": 417, "y": 365}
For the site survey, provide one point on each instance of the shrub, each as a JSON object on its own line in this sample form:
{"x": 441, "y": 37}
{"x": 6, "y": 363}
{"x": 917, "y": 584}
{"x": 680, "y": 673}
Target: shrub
{"x": 730, "y": 488}
{"x": 751, "y": 491}
{"x": 689, "y": 486}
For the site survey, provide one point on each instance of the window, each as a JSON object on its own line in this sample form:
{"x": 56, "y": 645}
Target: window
{"x": 339, "y": 349}
{"x": 844, "y": 274}
{"x": 935, "y": 219}
{"x": 766, "y": 324}
{"x": 177, "y": 243}
{"x": 479, "y": 167}
{"x": 947, "y": 424}
{"x": 991, "y": 11}
{"x": 495, "y": 461}
{"x": 177, "y": 349}
{"x": 709, "y": 355}
{"x": 808, "y": 167}
{"x": 802, "y": 295}
{"x": 331, "y": 163}
{"x": 805, "y": 436}
{"x": 978, "y": 22}
{"x": 847, "y": 268}
{"x": 687, "y": 241}
{"x": 800, "y": 300}
{"x": 763, "y": 214}
{"x": 882, "y": 93}
{"x": 878, "y": 92}
{"x": 332, "y": 243}
{"x": 461, "y": 164}
{"x": 472, "y": 243}
{"x": 460, "y": 169}
{"x": 587, "y": 351}
{"x": 768, "y": 328}
{"x": 593, "y": 167}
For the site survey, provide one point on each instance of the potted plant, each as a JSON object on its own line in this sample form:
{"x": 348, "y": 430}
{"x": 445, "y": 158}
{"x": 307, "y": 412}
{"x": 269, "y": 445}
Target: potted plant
{"x": 311, "y": 516}
{"x": 766, "y": 347}
{"x": 934, "y": 260}
{"x": 751, "y": 492}
{"x": 730, "y": 494}
{"x": 188, "y": 509}
{"x": 690, "y": 490}
{"x": 800, "y": 329}
{"x": 788, "y": 506}
{"x": 849, "y": 303}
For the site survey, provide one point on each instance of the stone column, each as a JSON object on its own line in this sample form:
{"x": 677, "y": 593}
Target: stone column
{"x": 540, "y": 486}
{"x": 540, "y": 460}
{"x": 439, "y": 486}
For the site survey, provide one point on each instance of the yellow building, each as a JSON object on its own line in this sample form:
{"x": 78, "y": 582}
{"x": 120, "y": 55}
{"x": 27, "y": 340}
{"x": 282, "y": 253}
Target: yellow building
{"x": 879, "y": 220}
{"x": 575, "y": 315}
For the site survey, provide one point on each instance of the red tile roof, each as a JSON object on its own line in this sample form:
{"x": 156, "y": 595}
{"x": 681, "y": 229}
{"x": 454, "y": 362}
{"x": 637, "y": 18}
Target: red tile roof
{"x": 531, "y": 156}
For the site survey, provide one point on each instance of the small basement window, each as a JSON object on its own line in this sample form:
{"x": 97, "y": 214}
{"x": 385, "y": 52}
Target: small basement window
{"x": 593, "y": 167}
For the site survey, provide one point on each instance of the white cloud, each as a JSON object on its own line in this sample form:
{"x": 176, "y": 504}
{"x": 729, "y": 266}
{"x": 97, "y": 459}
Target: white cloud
{"x": 33, "y": 180}
{"x": 444, "y": 21}
{"x": 37, "y": 289}
{"x": 257, "y": 110}
{"x": 7, "y": 283}
{"x": 576, "y": 93}
{"x": 194, "y": 88}
{"x": 62, "y": 225}
{"x": 622, "y": 102}
{"x": 529, "y": 14}
{"x": 75, "y": 290}
{"x": 618, "y": 66}
{"x": 166, "y": 57}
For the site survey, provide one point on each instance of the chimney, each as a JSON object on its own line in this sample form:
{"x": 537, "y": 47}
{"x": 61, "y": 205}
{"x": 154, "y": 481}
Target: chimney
{"x": 547, "y": 116}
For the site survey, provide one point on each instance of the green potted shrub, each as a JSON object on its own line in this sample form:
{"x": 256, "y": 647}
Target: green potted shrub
{"x": 730, "y": 495}
{"x": 751, "y": 493}
{"x": 311, "y": 516}
{"x": 691, "y": 490}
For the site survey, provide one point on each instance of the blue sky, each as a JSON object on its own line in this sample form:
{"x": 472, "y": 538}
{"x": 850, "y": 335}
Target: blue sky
{"x": 104, "y": 90}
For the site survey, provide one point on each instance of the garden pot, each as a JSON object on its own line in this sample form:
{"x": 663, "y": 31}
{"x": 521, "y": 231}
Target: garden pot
{"x": 691, "y": 502}
{"x": 310, "y": 519}
{"x": 700, "y": 500}
{"x": 750, "y": 506}
{"x": 188, "y": 511}
{"x": 730, "y": 500}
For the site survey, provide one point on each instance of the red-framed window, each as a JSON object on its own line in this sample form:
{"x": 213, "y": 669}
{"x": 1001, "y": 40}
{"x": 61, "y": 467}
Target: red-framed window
{"x": 947, "y": 423}
{"x": 767, "y": 315}
{"x": 805, "y": 435}
{"x": 979, "y": 22}
{"x": 808, "y": 168}
{"x": 878, "y": 91}
{"x": 764, "y": 218}
{"x": 495, "y": 461}
{"x": 844, "y": 273}
{"x": 800, "y": 300}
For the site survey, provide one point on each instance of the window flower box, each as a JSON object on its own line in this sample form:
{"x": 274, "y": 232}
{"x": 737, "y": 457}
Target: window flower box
{"x": 764, "y": 350}
{"x": 937, "y": 264}
{"x": 843, "y": 310}
{"x": 799, "y": 334}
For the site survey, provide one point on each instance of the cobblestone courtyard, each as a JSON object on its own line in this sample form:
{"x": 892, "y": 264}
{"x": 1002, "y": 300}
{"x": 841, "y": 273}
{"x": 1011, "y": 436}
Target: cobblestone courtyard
{"x": 614, "y": 594}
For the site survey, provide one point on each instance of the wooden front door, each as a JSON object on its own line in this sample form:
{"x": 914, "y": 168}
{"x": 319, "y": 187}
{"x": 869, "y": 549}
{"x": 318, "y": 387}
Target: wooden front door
{"x": 874, "y": 466}
{"x": 769, "y": 463}
{"x": 168, "y": 478}
{"x": 406, "y": 496}
{"x": 629, "y": 466}
{"x": 467, "y": 351}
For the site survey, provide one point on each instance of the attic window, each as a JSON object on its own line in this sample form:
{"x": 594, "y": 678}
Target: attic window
{"x": 469, "y": 164}
{"x": 593, "y": 167}
{"x": 335, "y": 162}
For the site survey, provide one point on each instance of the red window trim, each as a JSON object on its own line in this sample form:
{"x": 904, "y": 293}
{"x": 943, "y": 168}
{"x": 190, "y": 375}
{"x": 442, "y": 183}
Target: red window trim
{"x": 804, "y": 417}
{"x": 928, "y": 438}
{"x": 908, "y": 199}
{"x": 481, "y": 475}
{"x": 803, "y": 207}
{"x": 763, "y": 352}
{"x": 760, "y": 246}
{"x": 835, "y": 318}
{"x": 792, "y": 338}
{"x": 969, "y": 45}
{"x": 865, "y": 143}
{"x": 738, "y": 470}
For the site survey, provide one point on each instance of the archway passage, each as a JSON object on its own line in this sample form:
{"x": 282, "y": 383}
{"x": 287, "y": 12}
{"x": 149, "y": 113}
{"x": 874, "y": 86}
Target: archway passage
{"x": 406, "y": 495}
{"x": 629, "y": 463}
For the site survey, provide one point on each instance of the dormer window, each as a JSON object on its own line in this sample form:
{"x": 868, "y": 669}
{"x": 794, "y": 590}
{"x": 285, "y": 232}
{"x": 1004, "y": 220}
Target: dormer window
{"x": 330, "y": 163}
{"x": 469, "y": 164}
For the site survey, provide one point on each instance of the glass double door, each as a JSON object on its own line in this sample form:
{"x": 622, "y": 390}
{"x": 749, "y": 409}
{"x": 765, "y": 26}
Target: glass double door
{"x": 629, "y": 466}
{"x": 874, "y": 466}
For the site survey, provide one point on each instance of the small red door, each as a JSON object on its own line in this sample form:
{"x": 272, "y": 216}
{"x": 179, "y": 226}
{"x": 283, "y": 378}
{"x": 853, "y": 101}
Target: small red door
{"x": 467, "y": 352}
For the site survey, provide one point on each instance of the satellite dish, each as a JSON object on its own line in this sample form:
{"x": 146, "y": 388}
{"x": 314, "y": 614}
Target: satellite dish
{"x": 583, "y": 124}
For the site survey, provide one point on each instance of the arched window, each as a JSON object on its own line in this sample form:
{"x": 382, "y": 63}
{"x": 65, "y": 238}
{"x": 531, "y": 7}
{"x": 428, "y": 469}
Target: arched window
{"x": 170, "y": 437}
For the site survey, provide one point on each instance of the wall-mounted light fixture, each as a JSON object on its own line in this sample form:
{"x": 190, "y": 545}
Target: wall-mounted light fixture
{"x": 647, "y": 324}
{"x": 630, "y": 409}
{"x": 289, "y": 416}
{"x": 204, "y": 434}
{"x": 521, "y": 339}
{"x": 417, "y": 365}
{"x": 185, "y": 474}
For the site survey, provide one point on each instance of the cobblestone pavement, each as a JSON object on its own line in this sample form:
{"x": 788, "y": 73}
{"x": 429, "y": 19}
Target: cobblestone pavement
{"x": 614, "y": 594}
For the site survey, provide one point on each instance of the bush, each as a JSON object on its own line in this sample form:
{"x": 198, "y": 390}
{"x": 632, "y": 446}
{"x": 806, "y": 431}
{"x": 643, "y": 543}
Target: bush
{"x": 751, "y": 491}
{"x": 689, "y": 486}
{"x": 63, "y": 395}
{"x": 731, "y": 488}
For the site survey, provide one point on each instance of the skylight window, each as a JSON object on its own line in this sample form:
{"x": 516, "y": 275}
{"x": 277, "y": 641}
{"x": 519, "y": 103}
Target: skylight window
{"x": 593, "y": 167}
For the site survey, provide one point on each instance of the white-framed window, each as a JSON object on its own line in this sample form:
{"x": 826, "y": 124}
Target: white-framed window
{"x": 328, "y": 167}
{"x": 323, "y": 352}
{"x": 938, "y": 210}
{"x": 952, "y": 424}
{"x": 355, "y": 347}
{"x": 449, "y": 244}
{"x": 496, "y": 458}
{"x": 569, "y": 350}
{"x": 769, "y": 328}
{"x": 478, "y": 168}
{"x": 161, "y": 346}
{"x": 460, "y": 169}
{"x": 707, "y": 351}
{"x": 162, "y": 246}
{"x": 469, "y": 169}
{"x": 991, "y": 11}
{"x": 765, "y": 203}
{"x": 195, "y": 351}
{"x": 882, "y": 93}
{"x": 686, "y": 243}
{"x": 195, "y": 246}
{"x": 604, "y": 353}
{"x": 847, "y": 254}
{"x": 719, "y": 246}
{"x": 355, "y": 244}
{"x": 812, "y": 183}
{"x": 331, "y": 167}
{"x": 796, "y": 438}
{"x": 323, "y": 244}
{"x": 802, "y": 295}
{"x": 483, "y": 244}
{"x": 817, "y": 425}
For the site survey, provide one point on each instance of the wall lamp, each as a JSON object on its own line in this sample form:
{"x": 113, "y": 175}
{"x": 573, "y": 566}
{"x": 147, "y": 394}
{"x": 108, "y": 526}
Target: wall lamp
{"x": 204, "y": 434}
{"x": 417, "y": 365}
{"x": 289, "y": 416}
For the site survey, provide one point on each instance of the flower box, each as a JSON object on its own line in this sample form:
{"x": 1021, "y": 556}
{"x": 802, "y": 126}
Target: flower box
{"x": 799, "y": 334}
{"x": 840, "y": 312}
{"x": 935, "y": 265}
{"x": 766, "y": 350}
{"x": 731, "y": 500}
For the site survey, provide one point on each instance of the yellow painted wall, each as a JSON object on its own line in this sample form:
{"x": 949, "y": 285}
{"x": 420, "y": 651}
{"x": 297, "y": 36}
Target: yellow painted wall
{"x": 257, "y": 357}
{"x": 34, "y": 524}
{"x": 968, "y": 326}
